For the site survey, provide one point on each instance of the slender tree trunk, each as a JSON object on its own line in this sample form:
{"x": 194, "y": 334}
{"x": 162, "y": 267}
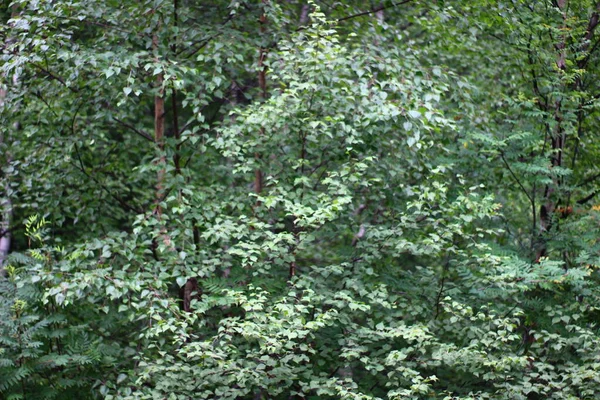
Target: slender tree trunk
{"x": 159, "y": 130}
{"x": 262, "y": 84}
{"x": 5, "y": 238}
{"x": 380, "y": 13}
{"x": 159, "y": 139}
{"x": 304, "y": 14}
{"x": 191, "y": 290}
{"x": 174, "y": 108}
{"x": 557, "y": 145}
{"x": 5, "y": 205}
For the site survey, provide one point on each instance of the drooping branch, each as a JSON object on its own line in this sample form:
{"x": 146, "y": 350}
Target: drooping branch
{"x": 587, "y": 198}
{"x": 373, "y": 11}
{"x": 201, "y": 43}
{"x": 55, "y": 77}
{"x": 139, "y": 132}
{"x": 81, "y": 167}
{"x": 517, "y": 180}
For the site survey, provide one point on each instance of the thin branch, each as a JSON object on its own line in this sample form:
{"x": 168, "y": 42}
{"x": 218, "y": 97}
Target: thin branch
{"x": 103, "y": 24}
{"x": 536, "y": 89}
{"x": 440, "y": 292}
{"x": 134, "y": 129}
{"x": 75, "y": 118}
{"x": 589, "y": 34}
{"x": 374, "y": 10}
{"x": 593, "y": 23}
{"x": 582, "y": 63}
{"x": 55, "y": 77}
{"x": 515, "y": 177}
{"x": 122, "y": 202}
{"x": 534, "y": 214}
{"x": 187, "y": 125}
{"x": 587, "y": 198}
{"x": 8, "y": 231}
{"x": 39, "y": 96}
{"x": 205, "y": 41}
{"x": 81, "y": 166}
{"x": 577, "y": 143}
{"x": 589, "y": 180}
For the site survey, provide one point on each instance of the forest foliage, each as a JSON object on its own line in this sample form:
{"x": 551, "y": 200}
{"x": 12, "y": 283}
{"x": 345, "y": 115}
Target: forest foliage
{"x": 299, "y": 199}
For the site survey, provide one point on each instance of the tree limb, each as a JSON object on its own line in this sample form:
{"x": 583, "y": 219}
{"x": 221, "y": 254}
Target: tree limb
{"x": 134, "y": 129}
{"x": 372, "y": 11}
{"x": 515, "y": 177}
{"x": 587, "y": 198}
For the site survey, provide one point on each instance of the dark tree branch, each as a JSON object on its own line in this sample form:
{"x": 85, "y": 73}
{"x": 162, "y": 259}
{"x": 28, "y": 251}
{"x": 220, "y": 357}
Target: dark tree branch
{"x": 589, "y": 34}
{"x": 589, "y": 180}
{"x": 374, "y": 10}
{"x": 39, "y": 96}
{"x": 134, "y": 129}
{"x": 593, "y": 23}
{"x": 577, "y": 143}
{"x": 54, "y": 77}
{"x": 536, "y": 89}
{"x": 515, "y": 178}
{"x": 122, "y": 202}
{"x": 587, "y": 198}
{"x": 6, "y": 232}
{"x": 438, "y": 299}
{"x": 203, "y": 42}
{"x": 582, "y": 63}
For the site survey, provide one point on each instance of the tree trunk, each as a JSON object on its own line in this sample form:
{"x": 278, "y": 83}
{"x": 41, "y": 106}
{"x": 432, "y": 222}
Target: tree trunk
{"x": 557, "y": 145}
{"x": 159, "y": 130}
{"x": 262, "y": 84}
{"x": 6, "y": 205}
